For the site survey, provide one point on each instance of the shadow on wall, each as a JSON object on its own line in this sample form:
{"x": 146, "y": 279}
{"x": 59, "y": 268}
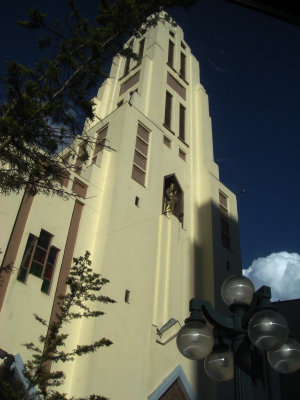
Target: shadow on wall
{"x": 217, "y": 256}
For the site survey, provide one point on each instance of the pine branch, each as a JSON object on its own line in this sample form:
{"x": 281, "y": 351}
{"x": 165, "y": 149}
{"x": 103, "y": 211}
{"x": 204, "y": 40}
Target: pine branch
{"x": 82, "y": 282}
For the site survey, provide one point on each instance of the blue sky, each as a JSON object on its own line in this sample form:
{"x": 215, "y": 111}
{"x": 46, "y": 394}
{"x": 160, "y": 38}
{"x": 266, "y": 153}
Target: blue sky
{"x": 249, "y": 66}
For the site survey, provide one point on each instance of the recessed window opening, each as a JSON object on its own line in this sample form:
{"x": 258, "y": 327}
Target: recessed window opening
{"x": 137, "y": 201}
{"x": 182, "y": 122}
{"x": 81, "y": 158}
{"x": 127, "y": 62}
{"x": 223, "y": 203}
{"x": 100, "y": 143}
{"x": 39, "y": 259}
{"x": 172, "y": 33}
{"x": 183, "y": 45}
{"x": 168, "y": 109}
{"x": 140, "y": 155}
{"x": 167, "y": 141}
{"x": 171, "y": 53}
{"x": 141, "y": 50}
{"x": 127, "y": 295}
{"x": 224, "y": 220}
{"x": 120, "y": 103}
{"x": 182, "y": 65}
{"x": 182, "y": 154}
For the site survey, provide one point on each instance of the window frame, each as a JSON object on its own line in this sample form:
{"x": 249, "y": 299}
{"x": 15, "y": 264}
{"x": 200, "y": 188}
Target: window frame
{"x": 182, "y": 154}
{"x": 29, "y": 270}
{"x": 171, "y": 51}
{"x": 82, "y": 148}
{"x": 168, "y": 110}
{"x": 182, "y": 72}
{"x": 224, "y": 221}
{"x": 167, "y": 141}
{"x": 141, "y": 50}
{"x": 100, "y": 141}
{"x": 140, "y": 138}
{"x": 127, "y": 60}
{"x": 182, "y": 119}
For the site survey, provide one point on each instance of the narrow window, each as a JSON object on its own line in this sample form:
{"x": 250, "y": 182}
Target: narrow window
{"x": 182, "y": 154}
{"x": 127, "y": 295}
{"x": 100, "y": 143}
{"x": 168, "y": 109}
{"x": 137, "y": 201}
{"x": 171, "y": 53}
{"x": 172, "y": 33}
{"x": 127, "y": 62}
{"x": 120, "y": 103}
{"x": 167, "y": 141}
{"x": 183, "y": 45}
{"x": 224, "y": 220}
{"x": 141, "y": 50}
{"x": 182, "y": 65}
{"x": 223, "y": 204}
{"x": 182, "y": 122}
{"x": 64, "y": 177}
{"x": 81, "y": 158}
{"x": 27, "y": 258}
{"x": 140, "y": 155}
{"x": 40, "y": 254}
{"x": 225, "y": 233}
{"x": 49, "y": 269}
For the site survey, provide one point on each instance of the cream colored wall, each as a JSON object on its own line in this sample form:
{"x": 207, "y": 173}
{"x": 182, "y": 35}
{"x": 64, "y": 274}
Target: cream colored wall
{"x": 142, "y": 250}
{"x": 163, "y": 263}
{"x": 145, "y": 252}
{"x": 22, "y": 300}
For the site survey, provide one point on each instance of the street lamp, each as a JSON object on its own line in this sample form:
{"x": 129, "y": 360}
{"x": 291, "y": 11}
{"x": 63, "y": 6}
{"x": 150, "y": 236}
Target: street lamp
{"x": 254, "y": 321}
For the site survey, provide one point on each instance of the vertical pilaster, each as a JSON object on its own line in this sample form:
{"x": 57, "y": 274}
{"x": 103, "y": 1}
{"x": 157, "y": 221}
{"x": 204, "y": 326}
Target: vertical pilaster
{"x": 14, "y": 243}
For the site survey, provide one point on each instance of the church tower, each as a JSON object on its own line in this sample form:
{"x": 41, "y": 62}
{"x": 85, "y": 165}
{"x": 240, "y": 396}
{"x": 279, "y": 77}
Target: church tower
{"x": 155, "y": 217}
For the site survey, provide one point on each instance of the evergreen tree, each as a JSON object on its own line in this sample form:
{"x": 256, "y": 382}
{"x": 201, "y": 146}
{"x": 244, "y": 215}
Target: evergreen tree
{"x": 46, "y": 104}
{"x": 84, "y": 286}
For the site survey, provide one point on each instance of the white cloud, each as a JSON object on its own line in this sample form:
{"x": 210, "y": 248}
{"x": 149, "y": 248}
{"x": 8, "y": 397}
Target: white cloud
{"x": 280, "y": 271}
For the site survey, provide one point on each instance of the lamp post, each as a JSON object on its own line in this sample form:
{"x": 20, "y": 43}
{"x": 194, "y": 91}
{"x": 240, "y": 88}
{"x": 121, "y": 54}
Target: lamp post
{"x": 254, "y": 321}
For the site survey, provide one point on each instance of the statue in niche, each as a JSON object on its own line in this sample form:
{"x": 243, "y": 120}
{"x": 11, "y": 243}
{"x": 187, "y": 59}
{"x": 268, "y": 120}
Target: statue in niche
{"x": 170, "y": 199}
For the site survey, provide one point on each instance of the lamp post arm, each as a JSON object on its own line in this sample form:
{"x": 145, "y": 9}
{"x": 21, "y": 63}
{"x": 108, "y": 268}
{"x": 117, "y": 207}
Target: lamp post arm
{"x": 216, "y": 319}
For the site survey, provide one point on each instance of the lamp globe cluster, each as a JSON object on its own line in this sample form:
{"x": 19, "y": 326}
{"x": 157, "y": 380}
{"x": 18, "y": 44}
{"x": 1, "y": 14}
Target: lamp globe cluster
{"x": 253, "y": 313}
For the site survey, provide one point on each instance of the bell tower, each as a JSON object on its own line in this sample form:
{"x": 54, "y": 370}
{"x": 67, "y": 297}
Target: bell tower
{"x": 155, "y": 217}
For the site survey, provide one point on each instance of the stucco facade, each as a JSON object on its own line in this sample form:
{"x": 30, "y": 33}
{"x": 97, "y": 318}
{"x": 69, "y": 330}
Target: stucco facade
{"x": 160, "y": 260}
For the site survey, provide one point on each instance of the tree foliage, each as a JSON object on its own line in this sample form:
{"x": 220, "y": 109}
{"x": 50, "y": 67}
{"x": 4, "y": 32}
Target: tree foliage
{"x": 45, "y": 104}
{"x": 84, "y": 286}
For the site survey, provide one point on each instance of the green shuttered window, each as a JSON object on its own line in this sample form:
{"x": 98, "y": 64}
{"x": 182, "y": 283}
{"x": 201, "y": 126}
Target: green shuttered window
{"x": 39, "y": 259}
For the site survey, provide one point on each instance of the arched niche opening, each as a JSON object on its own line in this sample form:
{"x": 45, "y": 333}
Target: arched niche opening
{"x": 173, "y": 197}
